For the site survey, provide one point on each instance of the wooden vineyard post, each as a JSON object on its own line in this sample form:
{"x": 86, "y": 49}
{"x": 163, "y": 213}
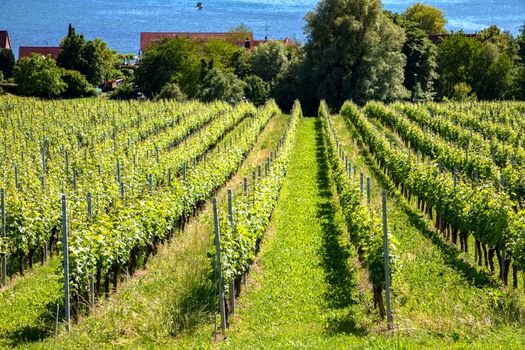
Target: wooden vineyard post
{"x": 222, "y": 304}
{"x": 230, "y": 219}
{"x": 390, "y": 321}
{"x": 245, "y": 185}
{"x": 4, "y": 234}
{"x": 66, "y": 262}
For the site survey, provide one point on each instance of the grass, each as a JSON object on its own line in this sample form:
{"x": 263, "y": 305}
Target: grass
{"x": 28, "y": 306}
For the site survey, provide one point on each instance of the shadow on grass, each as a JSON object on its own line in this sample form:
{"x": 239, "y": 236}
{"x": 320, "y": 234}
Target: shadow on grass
{"x": 416, "y": 219}
{"x": 42, "y": 328}
{"x": 339, "y": 277}
{"x": 194, "y": 306}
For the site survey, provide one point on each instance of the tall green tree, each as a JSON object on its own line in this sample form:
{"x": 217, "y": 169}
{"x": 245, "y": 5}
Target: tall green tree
{"x": 39, "y": 76}
{"x": 487, "y": 66}
{"x": 430, "y": 19}
{"x": 92, "y": 58}
{"x": 221, "y": 52}
{"x": 353, "y": 51}
{"x": 77, "y": 85}
{"x": 256, "y": 90}
{"x": 7, "y": 63}
{"x": 70, "y": 56}
{"x": 460, "y": 60}
{"x": 521, "y": 43}
{"x": 241, "y": 64}
{"x": 421, "y": 55}
{"x": 170, "y": 60}
{"x": 269, "y": 59}
{"x": 221, "y": 86}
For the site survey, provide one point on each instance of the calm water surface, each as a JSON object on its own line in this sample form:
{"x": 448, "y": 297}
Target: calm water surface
{"x": 32, "y": 22}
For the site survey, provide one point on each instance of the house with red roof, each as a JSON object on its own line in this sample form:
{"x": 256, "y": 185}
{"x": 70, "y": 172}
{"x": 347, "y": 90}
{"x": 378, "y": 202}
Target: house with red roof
{"x": 148, "y": 38}
{"x": 5, "y": 43}
{"x": 25, "y": 51}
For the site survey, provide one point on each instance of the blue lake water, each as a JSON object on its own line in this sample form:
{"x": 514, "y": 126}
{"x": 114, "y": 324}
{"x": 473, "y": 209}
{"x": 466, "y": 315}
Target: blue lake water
{"x": 32, "y": 22}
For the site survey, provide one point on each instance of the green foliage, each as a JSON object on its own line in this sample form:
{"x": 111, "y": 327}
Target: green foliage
{"x": 462, "y": 92}
{"x": 7, "y": 63}
{"x": 170, "y": 60}
{"x": 124, "y": 92}
{"x": 428, "y": 18}
{"x": 39, "y": 76}
{"x": 256, "y": 90}
{"x": 354, "y": 52}
{"x": 171, "y": 91}
{"x": 221, "y": 86}
{"x": 521, "y": 44}
{"x": 294, "y": 83}
{"x": 77, "y": 85}
{"x": 483, "y": 64}
{"x": 221, "y": 53}
{"x": 504, "y": 41}
{"x": 269, "y": 59}
{"x": 421, "y": 57}
{"x": 240, "y": 62}
{"x": 91, "y": 58}
{"x": 111, "y": 60}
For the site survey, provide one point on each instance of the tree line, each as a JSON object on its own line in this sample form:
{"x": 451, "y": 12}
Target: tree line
{"x": 354, "y": 50}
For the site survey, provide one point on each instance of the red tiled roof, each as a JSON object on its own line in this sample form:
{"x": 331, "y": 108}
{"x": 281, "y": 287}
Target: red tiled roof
{"x": 25, "y": 51}
{"x": 147, "y": 38}
{"x": 5, "y": 43}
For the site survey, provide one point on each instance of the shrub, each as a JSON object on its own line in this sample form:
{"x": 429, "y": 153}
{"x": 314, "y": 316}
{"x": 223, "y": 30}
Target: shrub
{"x": 77, "y": 85}
{"x": 256, "y": 90}
{"x": 124, "y": 92}
{"x": 39, "y": 76}
{"x": 171, "y": 91}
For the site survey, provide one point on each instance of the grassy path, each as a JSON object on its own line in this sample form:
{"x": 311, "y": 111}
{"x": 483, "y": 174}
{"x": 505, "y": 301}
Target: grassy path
{"x": 302, "y": 296}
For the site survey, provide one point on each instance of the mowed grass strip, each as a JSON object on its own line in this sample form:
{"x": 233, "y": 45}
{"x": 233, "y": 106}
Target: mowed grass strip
{"x": 302, "y": 282}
